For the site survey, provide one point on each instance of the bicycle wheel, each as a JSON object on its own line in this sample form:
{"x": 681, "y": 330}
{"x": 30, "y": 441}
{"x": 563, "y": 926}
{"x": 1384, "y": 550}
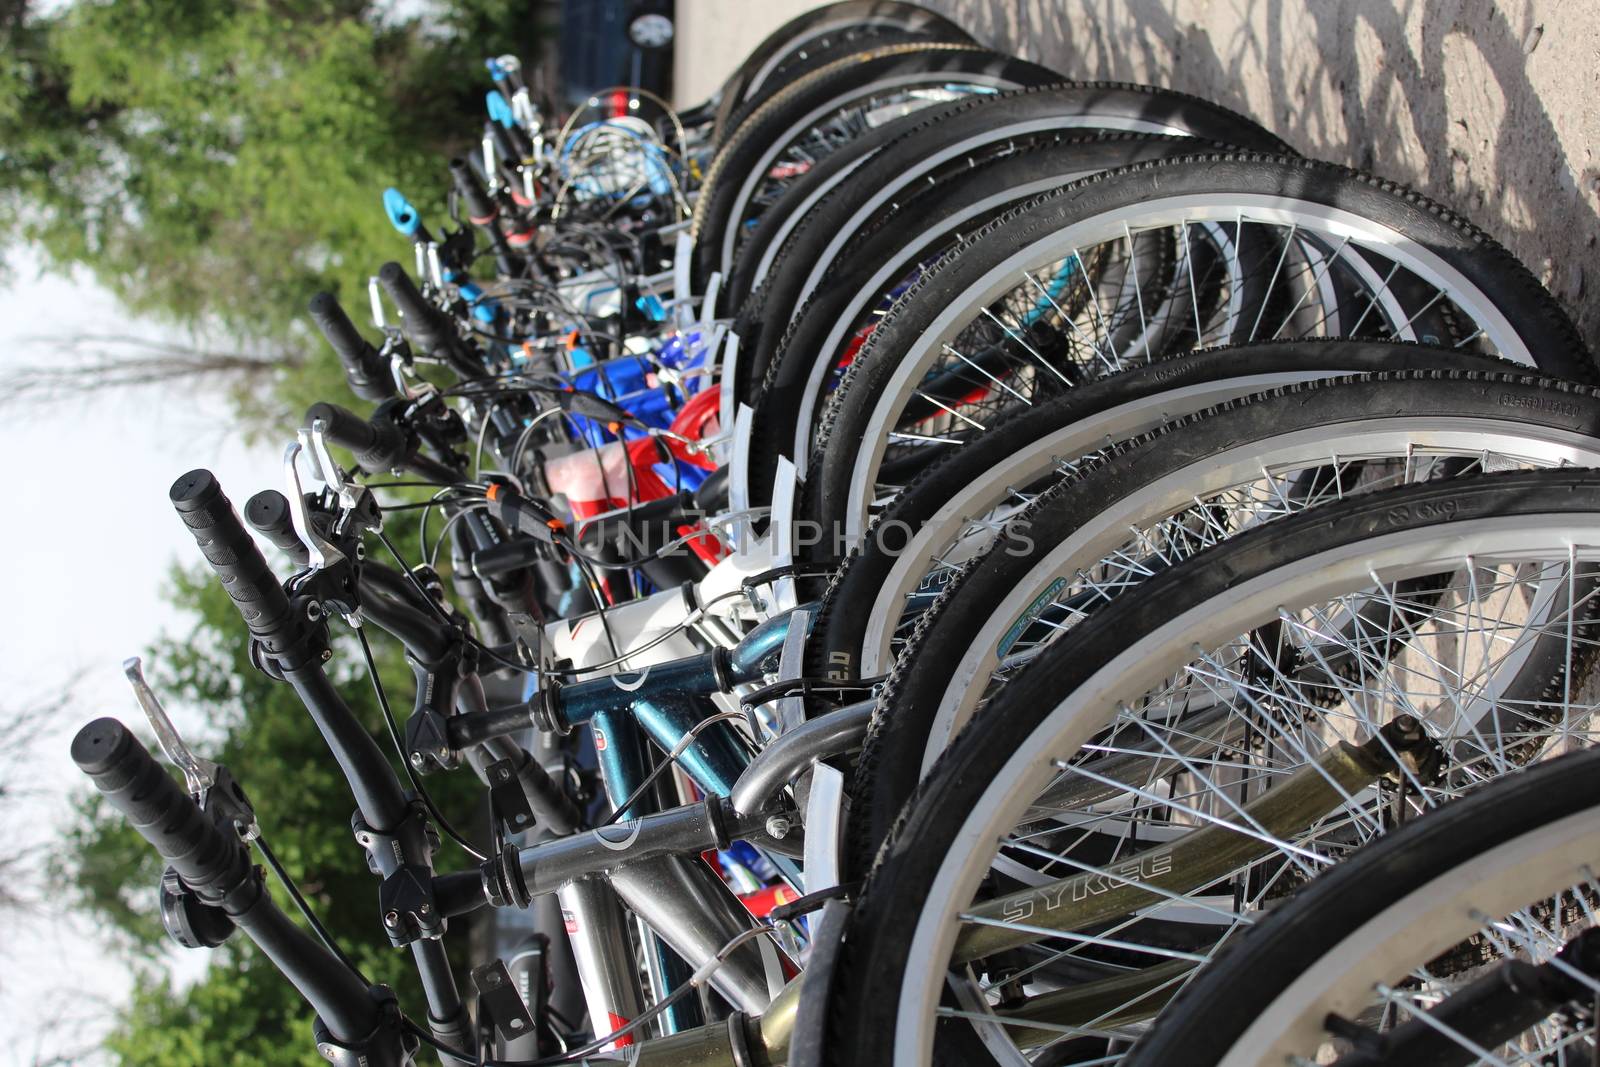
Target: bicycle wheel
{"x": 796, "y": 371}
{"x": 921, "y": 146}
{"x": 953, "y": 510}
{"x": 1148, "y": 504}
{"x": 1402, "y": 927}
{"x": 1190, "y": 759}
{"x": 814, "y": 241}
{"x": 819, "y": 53}
{"x": 1163, "y": 257}
{"x": 804, "y": 30}
{"x": 826, "y": 108}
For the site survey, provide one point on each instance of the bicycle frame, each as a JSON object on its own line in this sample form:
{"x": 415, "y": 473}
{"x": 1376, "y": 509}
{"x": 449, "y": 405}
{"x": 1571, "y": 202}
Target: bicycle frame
{"x": 689, "y": 908}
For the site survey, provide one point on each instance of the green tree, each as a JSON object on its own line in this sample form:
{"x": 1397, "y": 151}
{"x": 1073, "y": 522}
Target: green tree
{"x": 213, "y": 163}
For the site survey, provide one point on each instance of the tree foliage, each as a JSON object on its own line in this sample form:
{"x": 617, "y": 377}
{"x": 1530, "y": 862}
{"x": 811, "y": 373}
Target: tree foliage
{"x": 214, "y": 163}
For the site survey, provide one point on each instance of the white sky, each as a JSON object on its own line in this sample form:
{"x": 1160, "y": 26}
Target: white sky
{"x": 87, "y": 543}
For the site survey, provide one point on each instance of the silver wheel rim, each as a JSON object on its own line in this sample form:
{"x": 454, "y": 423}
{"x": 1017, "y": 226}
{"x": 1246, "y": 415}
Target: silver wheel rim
{"x": 1103, "y": 230}
{"x": 1556, "y": 539}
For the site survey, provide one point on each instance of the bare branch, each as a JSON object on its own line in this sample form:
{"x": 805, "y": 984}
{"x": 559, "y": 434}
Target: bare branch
{"x": 91, "y": 363}
{"x": 20, "y": 732}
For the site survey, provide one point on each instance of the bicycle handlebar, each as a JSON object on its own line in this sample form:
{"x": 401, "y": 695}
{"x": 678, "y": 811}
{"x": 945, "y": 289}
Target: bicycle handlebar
{"x": 267, "y": 610}
{"x": 207, "y": 859}
{"x": 216, "y": 866}
{"x": 387, "y": 597}
{"x": 232, "y": 553}
{"x": 481, "y": 208}
{"x": 364, "y": 368}
{"x": 379, "y": 444}
{"x": 268, "y": 515}
{"x": 429, "y": 328}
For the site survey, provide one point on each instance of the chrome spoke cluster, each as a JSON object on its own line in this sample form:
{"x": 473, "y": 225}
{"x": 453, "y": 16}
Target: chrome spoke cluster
{"x": 1249, "y": 721}
{"x": 1158, "y": 288}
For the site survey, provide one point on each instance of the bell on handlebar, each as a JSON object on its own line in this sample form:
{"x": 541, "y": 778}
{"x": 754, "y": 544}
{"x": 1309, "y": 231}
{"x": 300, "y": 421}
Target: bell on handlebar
{"x": 188, "y": 920}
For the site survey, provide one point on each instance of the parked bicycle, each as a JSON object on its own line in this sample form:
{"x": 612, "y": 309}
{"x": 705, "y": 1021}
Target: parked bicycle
{"x": 928, "y": 563}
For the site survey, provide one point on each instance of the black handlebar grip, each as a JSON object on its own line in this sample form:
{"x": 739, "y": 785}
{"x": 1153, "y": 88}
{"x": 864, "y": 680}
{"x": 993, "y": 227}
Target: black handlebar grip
{"x": 208, "y": 860}
{"x": 508, "y": 146}
{"x": 481, "y": 208}
{"x": 215, "y": 864}
{"x": 379, "y": 445}
{"x": 343, "y": 427}
{"x": 420, "y": 321}
{"x": 427, "y": 327}
{"x": 232, "y": 553}
{"x": 520, "y": 143}
{"x": 364, "y": 368}
{"x": 268, "y": 515}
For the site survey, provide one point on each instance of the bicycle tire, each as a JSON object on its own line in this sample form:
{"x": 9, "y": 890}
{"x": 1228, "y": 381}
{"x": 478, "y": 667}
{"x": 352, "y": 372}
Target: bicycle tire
{"x": 766, "y": 57}
{"x": 931, "y": 680}
{"x": 923, "y": 139}
{"x": 794, "y": 368}
{"x": 738, "y": 164}
{"x": 1225, "y": 1015}
{"x": 819, "y": 53}
{"x": 895, "y": 939}
{"x": 1531, "y": 328}
{"x": 1022, "y": 450}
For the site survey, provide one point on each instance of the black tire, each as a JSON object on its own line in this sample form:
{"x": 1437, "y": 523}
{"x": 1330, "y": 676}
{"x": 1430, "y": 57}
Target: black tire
{"x": 1537, "y": 322}
{"x": 848, "y": 600}
{"x": 852, "y": 80}
{"x": 783, "y": 347}
{"x": 966, "y": 128}
{"x": 805, "y": 192}
{"x": 827, "y": 20}
{"x": 820, "y": 52}
{"x": 1210, "y": 1015}
{"x": 898, "y": 737}
{"x": 885, "y": 930}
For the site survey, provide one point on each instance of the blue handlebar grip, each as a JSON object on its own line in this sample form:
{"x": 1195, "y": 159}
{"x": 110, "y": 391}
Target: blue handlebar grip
{"x": 401, "y": 214}
{"x": 500, "y": 110}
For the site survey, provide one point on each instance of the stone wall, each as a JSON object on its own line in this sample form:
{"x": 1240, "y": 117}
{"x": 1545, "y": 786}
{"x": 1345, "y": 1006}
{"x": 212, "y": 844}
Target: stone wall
{"x": 1491, "y": 108}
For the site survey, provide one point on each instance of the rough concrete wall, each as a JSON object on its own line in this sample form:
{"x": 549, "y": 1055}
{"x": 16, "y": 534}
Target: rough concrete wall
{"x": 1491, "y": 108}
{"x": 714, "y": 36}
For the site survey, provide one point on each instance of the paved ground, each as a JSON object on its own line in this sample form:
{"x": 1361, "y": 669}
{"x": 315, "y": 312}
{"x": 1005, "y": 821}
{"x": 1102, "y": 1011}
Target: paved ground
{"x": 1491, "y": 108}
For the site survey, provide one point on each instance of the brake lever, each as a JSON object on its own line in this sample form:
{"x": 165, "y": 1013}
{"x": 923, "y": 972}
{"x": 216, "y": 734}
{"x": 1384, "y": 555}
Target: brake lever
{"x": 523, "y": 111}
{"x": 322, "y": 555}
{"x": 375, "y": 301}
{"x": 491, "y": 168}
{"x": 315, "y": 443}
{"x": 419, "y": 260}
{"x": 210, "y": 784}
{"x": 356, "y": 503}
{"x": 199, "y": 774}
{"x": 435, "y": 266}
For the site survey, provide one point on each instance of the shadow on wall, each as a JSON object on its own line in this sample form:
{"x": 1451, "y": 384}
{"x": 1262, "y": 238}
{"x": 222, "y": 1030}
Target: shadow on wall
{"x": 1438, "y": 94}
